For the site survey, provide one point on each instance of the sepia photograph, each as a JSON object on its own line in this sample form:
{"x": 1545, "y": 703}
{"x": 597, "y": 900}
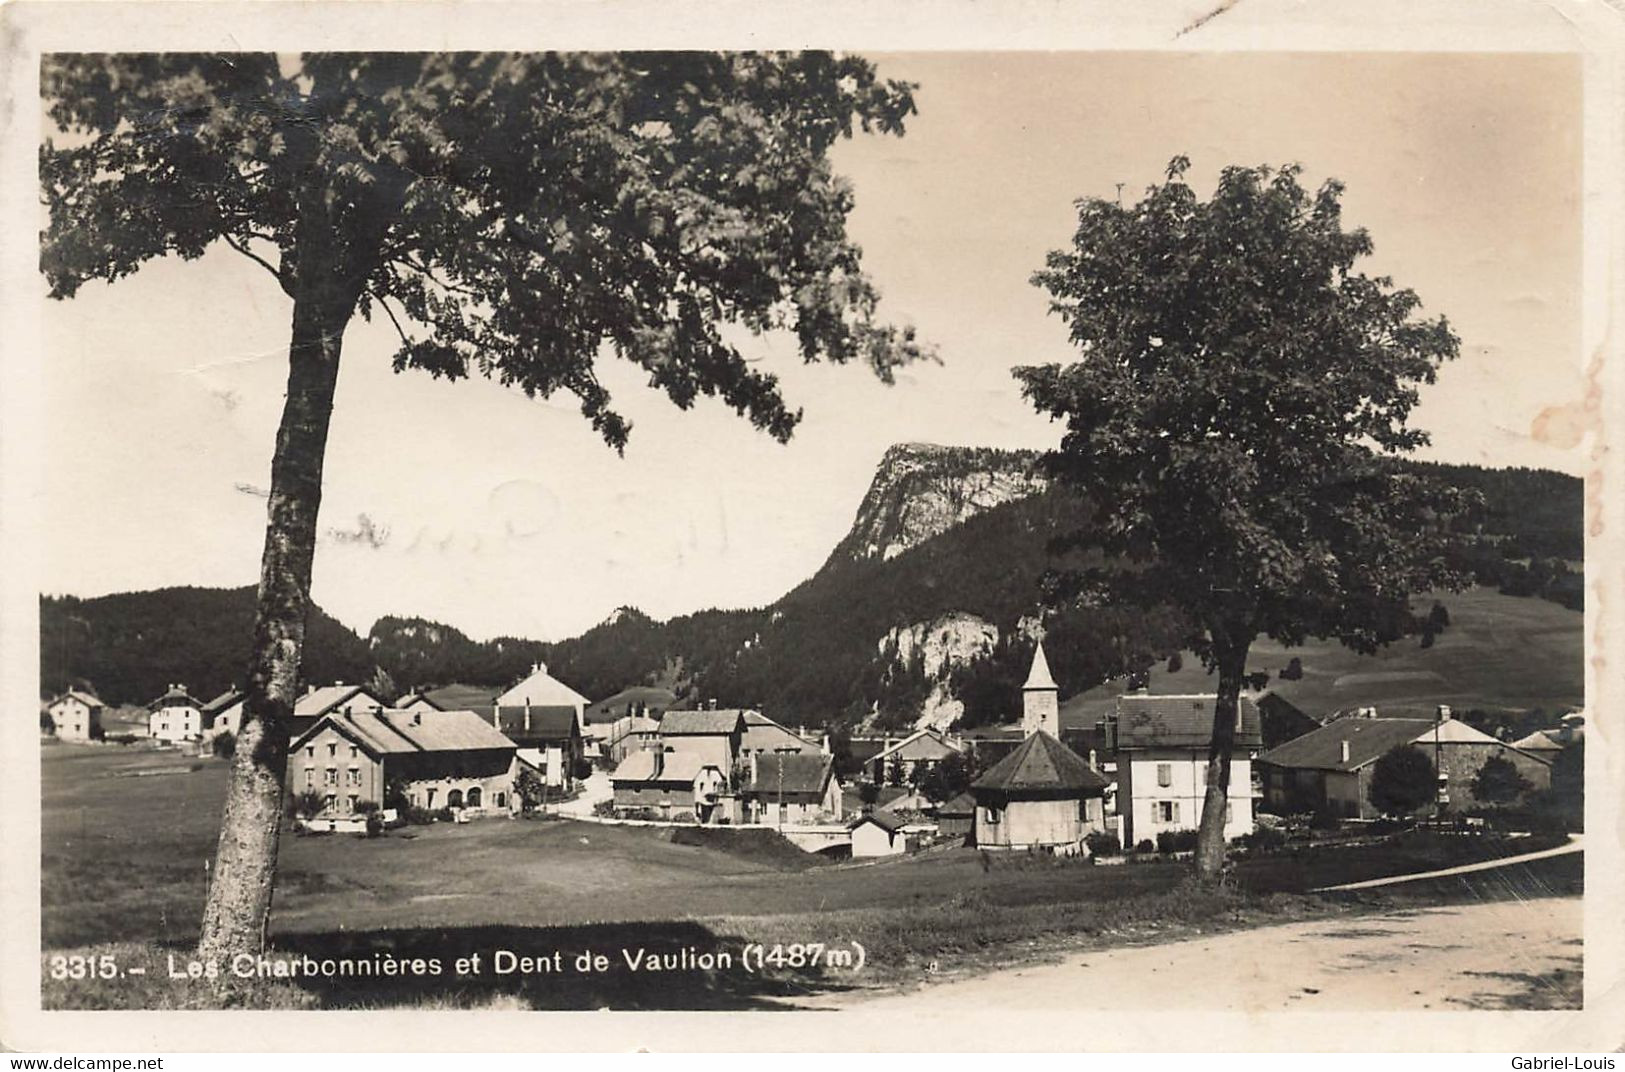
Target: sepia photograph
{"x": 879, "y": 532}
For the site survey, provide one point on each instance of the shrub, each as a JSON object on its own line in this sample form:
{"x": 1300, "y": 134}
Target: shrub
{"x": 1171, "y": 841}
{"x": 307, "y": 804}
{"x": 1103, "y": 843}
{"x": 1325, "y": 817}
{"x": 419, "y": 816}
{"x": 604, "y": 809}
{"x": 1146, "y": 846}
{"x": 1263, "y": 839}
{"x": 375, "y": 825}
{"x": 582, "y": 769}
{"x": 1402, "y": 781}
{"x": 366, "y": 807}
{"x": 224, "y": 744}
{"x": 1499, "y": 782}
{"x": 444, "y": 815}
{"x": 1293, "y": 671}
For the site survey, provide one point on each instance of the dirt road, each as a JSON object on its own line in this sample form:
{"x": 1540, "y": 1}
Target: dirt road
{"x": 1497, "y": 955}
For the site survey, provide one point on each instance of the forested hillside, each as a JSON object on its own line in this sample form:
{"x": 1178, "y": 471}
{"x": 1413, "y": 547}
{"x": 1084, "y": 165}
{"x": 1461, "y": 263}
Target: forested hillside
{"x": 827, "y": 650}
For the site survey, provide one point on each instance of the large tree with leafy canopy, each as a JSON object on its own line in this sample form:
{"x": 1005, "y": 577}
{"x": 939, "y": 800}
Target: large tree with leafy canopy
{"x": 520, "y": 216}
{"x": 1235, "y": 421}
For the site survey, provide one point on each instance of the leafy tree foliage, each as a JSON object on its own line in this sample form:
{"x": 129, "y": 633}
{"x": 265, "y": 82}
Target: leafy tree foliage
{"x": 1402, "y": 781}
{"x": 1293, "y": 670}
{"x": 530, "y": 789}
{"x": 513, "y": 215}
{"x": 1242, "y": 394}
{"x": 1499, "y": 781}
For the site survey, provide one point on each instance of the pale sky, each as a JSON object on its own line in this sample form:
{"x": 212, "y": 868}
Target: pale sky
{"x": 497, "y": 514}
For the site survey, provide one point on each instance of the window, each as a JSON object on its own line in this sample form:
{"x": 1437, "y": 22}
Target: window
{"x": 332, "y": 750}
{"x": 1165, "y": 774}
{"x": 310, "y": 777}
{"x": 428, "y": 798}
{"x": 991, "y": 816}
{"x": 327, "y": 802}
{"x": 1166, "y": 811}
{"x": 474, "y": 797}
{"x": 354, "y": 751}
{"x": 502, "y": 800}
{"x": 310, "y": 751}
{"x": 331, "y": 777}
{"x": 354, "y": 800}
{"x": 353, "y": 777}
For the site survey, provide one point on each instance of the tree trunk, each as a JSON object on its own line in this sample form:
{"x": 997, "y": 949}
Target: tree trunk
{"x": 1230, "y": 649}
{"x": 239, "y": 905}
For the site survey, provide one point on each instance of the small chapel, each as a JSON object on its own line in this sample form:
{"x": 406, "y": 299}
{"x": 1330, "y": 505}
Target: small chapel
{"x": 1042, "y": 796}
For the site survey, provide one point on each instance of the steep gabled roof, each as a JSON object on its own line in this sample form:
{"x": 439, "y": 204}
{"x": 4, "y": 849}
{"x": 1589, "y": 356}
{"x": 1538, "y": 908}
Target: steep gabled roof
{"x": 223, "y": 701}
{"x": 1147, "y": 721}
{"x": 1540, "y": 741}
{"x": 887, "y": 821}
{"x": 1042, "y": 764}
{"x": 416, "y": 697}
{"x": 687, "y": 723}
{"x": 921, "y": 744}
{"x": 961, "y": 807}
{"x": 541, "y": 689}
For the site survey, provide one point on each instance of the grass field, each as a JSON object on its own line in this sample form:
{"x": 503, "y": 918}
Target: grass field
{"x": 126, "y": 835}
{"x": 1500, "y": 653}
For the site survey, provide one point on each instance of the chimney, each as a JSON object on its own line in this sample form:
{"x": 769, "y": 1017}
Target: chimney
{"x": 1092, "y": 757}
{"x": 417, "y": 718}
{"x": 1444, "y": 712}
{"x": 527, "y": 714}
{"x": 1344, "y": 750}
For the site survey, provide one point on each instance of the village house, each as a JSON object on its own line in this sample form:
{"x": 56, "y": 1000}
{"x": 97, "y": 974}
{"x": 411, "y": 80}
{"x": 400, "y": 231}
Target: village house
{"x": 668, "y": 784}
{"x": 320, "y": 700}
{"x": 878, "y": 833}
{"x": 543, "y": 716}
{"x": 174, "y": 717}
{"x": 223, "y": 714}
{"x": 715, "y": 736}
{"x": 1330, "y": 769}
{"x": 764, "y": 736}
{"x": 791, "y": 787}
{"x": 631, "y": 733}
{"x": 1161, "y": 744}
{"x": 76, "y": 715}
{"x": 443, "y": 759}
{"x": 416, "y": 700}
{"x": 921, "y": 750}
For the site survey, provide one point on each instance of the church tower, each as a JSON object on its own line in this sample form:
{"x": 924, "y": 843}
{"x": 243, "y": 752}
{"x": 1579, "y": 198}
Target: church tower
{"x": 1040, "y": 699}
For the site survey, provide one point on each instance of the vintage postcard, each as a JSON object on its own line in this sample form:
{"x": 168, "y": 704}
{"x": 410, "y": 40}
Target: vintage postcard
{"x": 977, "y": 526}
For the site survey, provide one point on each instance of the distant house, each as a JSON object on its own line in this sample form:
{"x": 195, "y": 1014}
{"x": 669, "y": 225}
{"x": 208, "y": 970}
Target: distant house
{"x": 1280, "y": 721}
{"x": 1043, "y": 795}
{"x": 224, "y": 714}
{"x": 443, "y": 759}
{"x": 1162, "y": 745}
{"x": 544, "y": 716}
{"x": 175, "y": 716}
{"x": 320, "y": 700}
{"x": 764, "y": 736}
{"x": 791, "y": 787}
{"x": 957, "y": 817}
{"x": 1330, "y": 769}
{"x": 878, "y": 834}
{"x": 713, "y": 735}
{"x": 76, "y": 715}
{"x": 417, "y": 701}
{"x": 669, "y": 784}
{"x": 922, "y": 750}
{"x": 631, "y": 733}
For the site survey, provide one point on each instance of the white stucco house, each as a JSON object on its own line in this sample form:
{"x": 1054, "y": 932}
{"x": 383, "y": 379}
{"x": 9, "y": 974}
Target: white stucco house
{"x": 176, "y": 716}
{"x": 75, "y": 716}
{"x": 1161, "y": 744}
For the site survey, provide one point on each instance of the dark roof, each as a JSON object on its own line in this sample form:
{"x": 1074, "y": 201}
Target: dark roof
{"x": 1367, "y": 739}
{"x": 1146, "y": 721}
{"x": 1041, "y": 763}
{"x": 961, "y": 807}
{"x": 546, "y": 723}
{"x": 804, "y": 774}
{"x": 675, "y": 723}
{"x": 887, "y": 821}
{"x": 415, "y": 697}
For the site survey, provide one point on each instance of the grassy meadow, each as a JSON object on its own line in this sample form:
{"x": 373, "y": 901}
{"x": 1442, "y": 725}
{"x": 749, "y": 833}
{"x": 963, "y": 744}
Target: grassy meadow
{"x": 127, "y": 834}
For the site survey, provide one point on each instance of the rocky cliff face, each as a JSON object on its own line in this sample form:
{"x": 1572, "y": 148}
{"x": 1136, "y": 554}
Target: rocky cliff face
{"x": 950, "y": 641}
{"x": 921, "y": 490}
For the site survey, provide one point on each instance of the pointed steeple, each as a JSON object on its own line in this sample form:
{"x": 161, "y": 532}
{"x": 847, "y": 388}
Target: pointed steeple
{"x": 1039, "y": 677}
{"x": 1040, "y": 699}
